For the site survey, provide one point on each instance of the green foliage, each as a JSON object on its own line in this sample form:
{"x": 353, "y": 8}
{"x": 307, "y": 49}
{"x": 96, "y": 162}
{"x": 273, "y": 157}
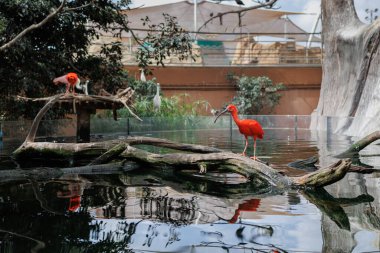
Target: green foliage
{"x": 256, "y": 93}
{"x": 175, "y": 106}
{"x": 143, "y": 90}
{"x": 61, "y": 45}
{"x": 170, "y": 40}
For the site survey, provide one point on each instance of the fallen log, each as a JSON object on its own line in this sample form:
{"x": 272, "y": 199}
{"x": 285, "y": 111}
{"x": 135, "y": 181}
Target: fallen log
{"x": 236, "y": 163}
{"x": 201, "y": 156}
{"x": 351, "y": 152}
{"x": 354, "y": 149}
{"x": 54, "y": 150}
{"x": 326, "y": 176}
{"x": 110, "y": 154}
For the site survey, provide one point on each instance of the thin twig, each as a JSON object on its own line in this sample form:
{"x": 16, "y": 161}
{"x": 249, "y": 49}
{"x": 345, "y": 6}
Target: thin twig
{"x": 33, "y": 27}
{"x": 43, "y": 22}
{"x": 78, "y": 7}
{"x": 239, "y": 12}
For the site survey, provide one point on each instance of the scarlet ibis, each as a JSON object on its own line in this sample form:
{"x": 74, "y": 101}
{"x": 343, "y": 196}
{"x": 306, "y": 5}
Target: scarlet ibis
{"x": 247, "y": 127}
{"x": 157, "y": 99}
{"x": 71, "y": 80}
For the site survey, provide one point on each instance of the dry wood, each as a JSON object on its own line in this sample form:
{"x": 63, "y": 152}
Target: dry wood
{"x": 122, "y": 98}
{"x": 354, "y": 149}
{"x": 206, "y": 156}
{"x": 97, "y": 148}
{"x": 33, "y": 129}
{"x": 110, "y": 154}
{"x": 236, "y": 163}
{"x": 135, "y": 140}
{"x": 326, "y": 176}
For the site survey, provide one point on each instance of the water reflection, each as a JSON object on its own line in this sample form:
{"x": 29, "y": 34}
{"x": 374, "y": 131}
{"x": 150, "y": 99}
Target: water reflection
{"x": 104, "y": 215}
{"x": 40, "y": 214}
{"x": 162, "y": 211}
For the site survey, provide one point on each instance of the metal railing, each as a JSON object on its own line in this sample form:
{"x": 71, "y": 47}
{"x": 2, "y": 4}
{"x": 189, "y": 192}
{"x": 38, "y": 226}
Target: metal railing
{"x": 66, "y": 128}
{"x": 194, "y": 123}
{"x": 231, "y": 50}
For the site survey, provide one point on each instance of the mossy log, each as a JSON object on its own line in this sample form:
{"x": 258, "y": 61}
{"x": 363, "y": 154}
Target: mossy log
{"x": 354, "y": 149}
{"x": 200, "y": 156}
{"x": 352, "y": 152}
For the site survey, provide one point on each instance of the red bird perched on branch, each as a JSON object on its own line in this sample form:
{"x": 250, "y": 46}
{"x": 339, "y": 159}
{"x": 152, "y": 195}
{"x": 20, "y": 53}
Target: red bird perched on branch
{"x": 71, "y": 80}
{"x": 247, "y": 127}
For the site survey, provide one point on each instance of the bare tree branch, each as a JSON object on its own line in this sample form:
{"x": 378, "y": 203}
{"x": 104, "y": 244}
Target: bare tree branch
{"x": 239, "y": 12}
{"x": 79, "y": 7}
{"x": 43, "y": 22}
{"x": 33, "y": 27}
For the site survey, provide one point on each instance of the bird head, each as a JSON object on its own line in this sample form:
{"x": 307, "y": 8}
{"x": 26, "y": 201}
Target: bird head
{"x": 230, "y": 108}
{"x": 72, "y": 78}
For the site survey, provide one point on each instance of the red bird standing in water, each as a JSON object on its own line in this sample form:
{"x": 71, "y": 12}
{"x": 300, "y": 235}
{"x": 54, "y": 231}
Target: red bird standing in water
{"x": 247, "y": 127}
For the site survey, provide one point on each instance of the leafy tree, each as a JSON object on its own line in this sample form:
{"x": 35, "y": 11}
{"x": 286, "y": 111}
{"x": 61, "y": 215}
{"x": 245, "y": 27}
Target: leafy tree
{"x": 256, "y": 93}
{"x": 157, "y": 49}
{"x": 42, "y": 39}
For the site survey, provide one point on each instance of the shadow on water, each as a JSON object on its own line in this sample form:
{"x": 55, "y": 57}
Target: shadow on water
{"x": 167, "y": 211}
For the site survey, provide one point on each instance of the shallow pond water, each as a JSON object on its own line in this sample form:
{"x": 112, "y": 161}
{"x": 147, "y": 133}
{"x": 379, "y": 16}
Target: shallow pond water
{"x": 148, "y": 211}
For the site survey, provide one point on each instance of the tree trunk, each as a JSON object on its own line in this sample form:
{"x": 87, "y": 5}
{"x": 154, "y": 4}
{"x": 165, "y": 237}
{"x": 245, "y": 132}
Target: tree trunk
{"x": 350, "y": 72}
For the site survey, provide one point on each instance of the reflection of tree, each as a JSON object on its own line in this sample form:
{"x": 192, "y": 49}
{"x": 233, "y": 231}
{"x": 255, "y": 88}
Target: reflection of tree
{"x": 332, "y": 207}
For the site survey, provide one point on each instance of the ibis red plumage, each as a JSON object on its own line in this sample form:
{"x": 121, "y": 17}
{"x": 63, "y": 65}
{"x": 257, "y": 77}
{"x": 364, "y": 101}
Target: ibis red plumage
{"x": 247, "y": 127}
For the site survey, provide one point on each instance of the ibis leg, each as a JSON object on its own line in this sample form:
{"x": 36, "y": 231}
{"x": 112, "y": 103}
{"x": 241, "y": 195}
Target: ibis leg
{"x": 254, "y": 149}
{"x": 246, "y": 145}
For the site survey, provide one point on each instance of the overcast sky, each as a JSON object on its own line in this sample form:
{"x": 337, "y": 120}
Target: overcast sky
{"x": 309, "y": 6}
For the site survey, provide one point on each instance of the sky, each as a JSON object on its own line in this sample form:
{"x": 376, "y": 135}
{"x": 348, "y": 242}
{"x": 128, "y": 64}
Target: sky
{"x": 306, "y": 22}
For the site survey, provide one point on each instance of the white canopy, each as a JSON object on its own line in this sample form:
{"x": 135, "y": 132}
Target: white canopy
{"x": 254, "y": 22}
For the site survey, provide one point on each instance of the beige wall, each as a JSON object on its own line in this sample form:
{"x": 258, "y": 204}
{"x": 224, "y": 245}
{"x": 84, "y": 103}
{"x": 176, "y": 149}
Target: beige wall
{"x": 211, "y": 84}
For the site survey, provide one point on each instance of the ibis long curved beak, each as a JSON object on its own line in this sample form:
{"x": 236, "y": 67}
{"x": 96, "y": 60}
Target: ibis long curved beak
{"x": 222, "y": 112}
